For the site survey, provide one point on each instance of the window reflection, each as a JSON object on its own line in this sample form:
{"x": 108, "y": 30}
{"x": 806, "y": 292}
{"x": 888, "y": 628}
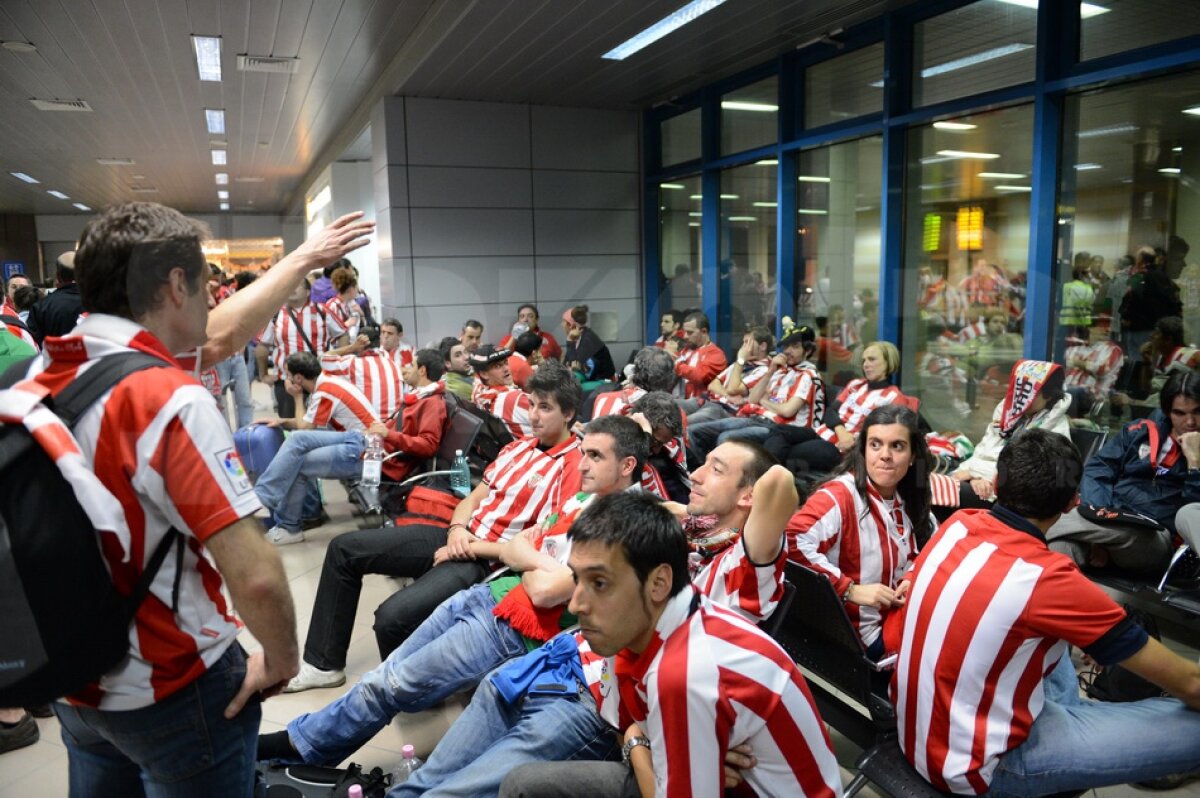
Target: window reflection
{"x": 980, "y": 47}
{"x": 679, "y": 236}
{"x": 750, "y": 116}
{"x": 680, "y": 137}
{"x": 1114, "y": 26}
{"x": 748, "y": 247}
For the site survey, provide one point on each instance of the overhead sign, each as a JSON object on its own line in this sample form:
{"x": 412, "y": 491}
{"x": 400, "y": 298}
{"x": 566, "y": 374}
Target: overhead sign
{"x": 12, "y": 267}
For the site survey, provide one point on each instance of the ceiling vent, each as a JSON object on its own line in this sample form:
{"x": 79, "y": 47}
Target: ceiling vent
{"x": 268, "y": 63}
{"x": 61, "y": 105}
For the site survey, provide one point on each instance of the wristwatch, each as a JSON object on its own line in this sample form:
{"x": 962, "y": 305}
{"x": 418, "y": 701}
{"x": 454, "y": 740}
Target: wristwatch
{"x": 846, "y": 593}
{"x": 631, "y": 744}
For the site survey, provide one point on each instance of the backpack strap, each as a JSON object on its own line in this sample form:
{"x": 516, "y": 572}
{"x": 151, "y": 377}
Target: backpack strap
{"x": 16, "y": 372}
{"x": 98, "y": 379}
{"x": 14, "y": 320}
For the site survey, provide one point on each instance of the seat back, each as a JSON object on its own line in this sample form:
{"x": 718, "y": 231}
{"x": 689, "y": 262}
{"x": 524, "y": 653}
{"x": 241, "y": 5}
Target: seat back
{"x": 459, "y": 435}
{"x": 1088, "y": 441}
{"x": 773, "y": 624}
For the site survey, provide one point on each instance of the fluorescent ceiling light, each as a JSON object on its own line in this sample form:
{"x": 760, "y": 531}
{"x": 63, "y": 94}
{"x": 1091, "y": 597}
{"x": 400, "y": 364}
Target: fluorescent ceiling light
{"x": 1168, "y": 170}
{"x": 696, "y": 196}
{"x": 743, "y": 218}
{"x": 767, "y": 162}
{"x": 1015, "y": 189}
{"x": 675, "y": 186}
{"x": 671, "y": 22}
{"x": 215, "y": 119}
{"x": 23, "y": 176}
{"x": 222, "y": 195}
{"x": 208, "y": 56}
{"x": 812, "y": 179}
{"x": 1002, "y": 175}
{"x": 58, "y": 194}
{"x": 1177, "y": 149}
{"x": 693, "y": 224}
{"x": 222, "y": 179}
{"x": 765, "y": 204}
{"x": 812, "y": 211}
{"x": 1086, "y": 10}
{"x": 81, "y": 206}
{"x": 1107, "y": 130}
{"x": 115, "y": 161}
{"x": 224, "y": 206}
{"x": 977, "y": 58}
{"x": 738, "y": 105}
{"x": 1087, "y": 167}
{"x": 730, "y": 196}
{"x": 219, "y": 157}
{"x": 953, "y": 126}
{"x": 1194, "y": 110}
{"x": 695, "y": 213}
{"x": 981, "y": 156}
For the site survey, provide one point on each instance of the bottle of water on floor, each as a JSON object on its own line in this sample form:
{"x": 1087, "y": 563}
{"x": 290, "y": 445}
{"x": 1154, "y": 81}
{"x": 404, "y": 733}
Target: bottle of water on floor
{"x": 460, "y": 480}
{"x": 372, "y": 467}
{"x": 408, "y": 763}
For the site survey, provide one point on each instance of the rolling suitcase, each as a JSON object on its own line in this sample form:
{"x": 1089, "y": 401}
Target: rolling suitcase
{"x": 257, "y": 445}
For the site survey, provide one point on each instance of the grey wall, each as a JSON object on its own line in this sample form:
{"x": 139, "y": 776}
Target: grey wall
{"x": 483, "y": 206}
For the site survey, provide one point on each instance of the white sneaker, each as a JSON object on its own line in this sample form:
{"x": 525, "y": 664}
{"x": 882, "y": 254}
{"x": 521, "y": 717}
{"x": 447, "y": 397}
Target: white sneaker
{"x": 311, "y": 677}
{"x": 284, "y": 537}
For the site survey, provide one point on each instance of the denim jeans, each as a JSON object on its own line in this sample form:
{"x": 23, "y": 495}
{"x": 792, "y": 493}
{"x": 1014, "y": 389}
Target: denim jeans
{"x": 181, "y": 747}
{"x": 232, "y": 372}
{"x": 491, "y": 738}
{"x": 571, "y": 780}
{"x": 708, "y": 435}
{"x": 460, "y": 644}
{"x": 307, "y": 455}
{"x": 1078, "y": 744}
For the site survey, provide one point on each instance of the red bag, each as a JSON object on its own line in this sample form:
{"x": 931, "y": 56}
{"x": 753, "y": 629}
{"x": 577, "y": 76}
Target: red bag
{"x": 431, "y": 506}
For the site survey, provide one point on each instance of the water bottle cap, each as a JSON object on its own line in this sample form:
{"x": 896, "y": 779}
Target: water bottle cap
{"x": 408, "y": 752}
{"x": 458, "y": 452}
{"x": 355, "y": 791}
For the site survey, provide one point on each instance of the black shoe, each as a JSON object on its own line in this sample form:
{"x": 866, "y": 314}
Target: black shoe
{"x": 18, "y": 735}
{"x": 313, "y": 523}
{"x": 41, "y": 711}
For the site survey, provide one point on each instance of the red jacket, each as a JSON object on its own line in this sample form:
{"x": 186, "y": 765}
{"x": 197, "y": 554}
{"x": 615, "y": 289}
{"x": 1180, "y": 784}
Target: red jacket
{"x": 698, "y": 367}
{"x": 419, "y": 435}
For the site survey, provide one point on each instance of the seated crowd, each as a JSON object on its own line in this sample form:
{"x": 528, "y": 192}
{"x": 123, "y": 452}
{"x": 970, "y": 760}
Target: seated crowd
{"x": 604, "y": 585}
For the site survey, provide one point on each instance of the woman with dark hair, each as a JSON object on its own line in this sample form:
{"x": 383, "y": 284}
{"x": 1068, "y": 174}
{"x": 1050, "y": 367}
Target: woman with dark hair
{"x": 343, "y": 306}
{"x": 861, "y": 528}
{"x": 585, "y": 353}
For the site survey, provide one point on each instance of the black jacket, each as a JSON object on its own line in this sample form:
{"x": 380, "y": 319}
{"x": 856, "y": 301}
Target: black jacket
{"x": 55, "y": 314}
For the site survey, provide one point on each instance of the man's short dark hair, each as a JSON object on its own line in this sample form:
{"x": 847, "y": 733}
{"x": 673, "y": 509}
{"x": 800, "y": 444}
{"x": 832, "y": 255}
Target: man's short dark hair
{"x": 629, "y": 439}
{"x": 126, "y": 255}
{"x": 532, "y": 307}
{"x": 432, "y": 361}
{"x": 661, "y": 410}
{"x": 1037, "y": 474}
{"x": 653, "y": 369}
{"x": 762, "y": 335}
{"x": 760, "y": 461}
{"x": 700, "y": 320}
{"x": 674, "y": 314}
{"x": 446, "y": 345}
{"x": 1171, "y": 328}
{"x": 473, "y": 324}
{"x": 389, "y": 322}
{"x": 554, "y": 379}
{"x": 243, "y": 279}
{"x": 527, "y": 343}
{"x": 305, "y": 364}
{"x": 1181, "y": 383}
{"x": 26, "y": 296}
{"x": 649, "y": 536}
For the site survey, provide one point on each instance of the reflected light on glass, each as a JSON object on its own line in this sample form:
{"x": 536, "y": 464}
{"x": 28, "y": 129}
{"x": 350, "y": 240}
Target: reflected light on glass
{"x": 956, "y": 126}
{"x": 1087, "y": 167}
{"x": 1168, "y": 170}
{"x": 1002, "y": 175}
{"x": 976, "y": 58}
{"x": 738, "y": 105}
{"x": 982, "y": 156}
{"x": 1086, "y": 10}
{"x": 674, "y": 186}
{"x": 1015, "y": 189}
{"x": 812, "y": 179}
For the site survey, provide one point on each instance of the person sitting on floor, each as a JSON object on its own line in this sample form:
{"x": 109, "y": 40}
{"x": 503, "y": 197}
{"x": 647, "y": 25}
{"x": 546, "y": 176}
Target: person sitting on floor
{"x": 495, "y": 393}
{"x": 861, "y": 528}
{"x": 1133, "y": 487}
{"x": 986, "y": 697}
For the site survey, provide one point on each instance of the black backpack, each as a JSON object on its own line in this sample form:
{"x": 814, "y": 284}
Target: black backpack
{"x": 493, "y": 435}
{"x": 63, "y": 624}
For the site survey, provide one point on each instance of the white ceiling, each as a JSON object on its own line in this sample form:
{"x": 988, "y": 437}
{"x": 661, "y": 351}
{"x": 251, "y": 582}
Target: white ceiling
{"x": 132, "y": 62}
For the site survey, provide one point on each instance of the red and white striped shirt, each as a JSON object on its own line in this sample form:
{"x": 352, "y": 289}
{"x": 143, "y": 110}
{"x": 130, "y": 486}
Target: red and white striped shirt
{"x": 337, "y": 404}
{"x": 1102, "y": 363}
{"x": 858, "y": 399}
{"x": 613, "y": 403}
{"x": 1181, "y": 358}
{"x": 22, "y": 333}
{"x": 284, "y": 335}
{"x": 852, "y": 538}
{"x": 402, "y": 355}
{"x": 374, "y": 373}
{"x": 752, "y": 372}
{"x": 346, "y": 315}
{"x": 7, "y": 308}
{"x": 698, "y": 367}
{"x": 160, "y": 447}
{"x": 803, "y": 381}
{"x": 710, "y": 680}
{"x": 506, "y": 402}
{"x": 990, "y": 613}
{"x": 525, "y": 483}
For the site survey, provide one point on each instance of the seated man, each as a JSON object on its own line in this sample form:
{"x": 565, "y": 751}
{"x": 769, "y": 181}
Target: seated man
{"x": 986, "y": 696}
{"x": 373, "y": 371}
{"x": 525, "y": 358}
{"x": 391, "y": 341}
{"x": 734, "y": 527}
{"x": 415, "y": 434}
{"x": 458, "y": 368}
{"x": 1135, "y": 484}
{"x": 699, "y": 362}
{"x": 313, "y": 452}
{"x": 471, "y": 335}
{"x": 495, "y": 393}
{"x": 666, "y": 474}
{"x": 478, "y": 628}
{"x": 729, "y": 389}
{"x": 653, "y": 370}
{"x": 670, "y": 326}
{"x": 1160, "y": 357}
{"x": 527, "y": 314}
{"x": 1092, "y": 370}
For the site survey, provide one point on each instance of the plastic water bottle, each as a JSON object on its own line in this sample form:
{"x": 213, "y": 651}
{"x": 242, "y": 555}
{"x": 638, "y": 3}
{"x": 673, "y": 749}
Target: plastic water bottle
{"x": 460, "y": 480}
{"x": 408, "y": 764}
{"x": 372, "y": 467}
{"x": 355, "y": 791}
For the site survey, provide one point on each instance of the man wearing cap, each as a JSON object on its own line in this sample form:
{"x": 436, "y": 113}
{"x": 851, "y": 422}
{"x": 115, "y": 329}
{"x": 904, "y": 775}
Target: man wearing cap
{"x": 790, "y": 396}
{"x": 57, "y": 313}
{"x": 495, "y": 393}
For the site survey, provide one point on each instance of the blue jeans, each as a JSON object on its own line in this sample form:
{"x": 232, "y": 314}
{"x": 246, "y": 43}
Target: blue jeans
{"x": 491, "y": 738}
{"x": 181, "y": 747}
{"x": 460, "y": 644}
{"x": 708, "y": 435}
{"x": 307, "y": 455}
{"x": 232, "y": 372}
{"x": 1077, "y": 744}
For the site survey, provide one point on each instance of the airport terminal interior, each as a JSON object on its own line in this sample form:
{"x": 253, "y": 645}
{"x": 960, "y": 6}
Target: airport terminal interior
{"x": 978, "y": 182}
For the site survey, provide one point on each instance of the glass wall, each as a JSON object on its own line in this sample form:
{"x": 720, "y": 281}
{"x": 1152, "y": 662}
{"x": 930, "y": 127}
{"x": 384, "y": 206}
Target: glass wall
{"x": 748, "y": 262}
{"x": 1114, "y": 26}
{"x": 679, "y": 238}
{"x": 838, "y": 255}
{"x": 844, "y": 87}
{"x": 1127, "y": 245}
{"x": 965, "y": 263}
{"x": 750, "y": 116}
{"x": 986, "y": 45}
{"x": 680, "y": 138}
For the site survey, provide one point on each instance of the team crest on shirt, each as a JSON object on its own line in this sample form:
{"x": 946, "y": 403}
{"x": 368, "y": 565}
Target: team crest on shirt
{"x": 534, "y": 481}
{"x": 231, "y": 467}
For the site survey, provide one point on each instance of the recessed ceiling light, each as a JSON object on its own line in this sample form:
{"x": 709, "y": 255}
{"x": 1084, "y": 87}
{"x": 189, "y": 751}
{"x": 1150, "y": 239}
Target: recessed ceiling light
{"x": 219, "y": 157}
{"x": 980, "y": 156}
{"x": 81, "y": 206}
{"x": 208, "y": 57}
{"x": 23, "y": 176}
{"x": 953, "y": 126}
{"x": 58, "y": 194}
{"x": 1015, "y": 189}
{"x": 222, "y": 195}
{"x": 19, "y": 47}
{"x": 812, "y": 179}
{"x": 1002, "y": 175}
{"x": 975, "y": 58}
{"x": 674, "y": 186}
{"x": 1087, "y": 167}
{"x": 214, "y": 118}
{"x": 738, "y": 105}
{"x": 137, "y": 177}
{"x": 115, "y": 161}
{"x": 693, "y": 224}
{"x": 222, "y": 179}
{"x": 224, "y": 206}
{"x": 1169, "y": 170}
{"x": 143, "y": 189}
{"x": 664, "y": 26}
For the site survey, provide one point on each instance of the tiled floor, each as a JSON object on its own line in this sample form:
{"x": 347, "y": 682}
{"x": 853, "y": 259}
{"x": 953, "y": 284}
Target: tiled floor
{"x": 41, "y": 769}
